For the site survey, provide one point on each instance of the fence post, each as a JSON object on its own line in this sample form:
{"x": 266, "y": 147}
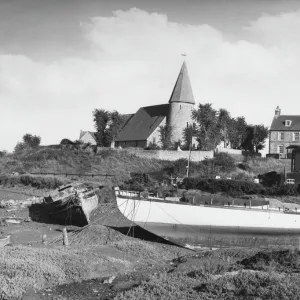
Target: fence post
{"x": 65, "y": 237}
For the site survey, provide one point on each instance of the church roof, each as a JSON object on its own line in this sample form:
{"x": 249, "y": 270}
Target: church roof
{"x": 182, "y": 91}
{"x": 142, "y": 124}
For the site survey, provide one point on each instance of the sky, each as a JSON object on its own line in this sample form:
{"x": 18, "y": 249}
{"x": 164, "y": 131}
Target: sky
{"x": 61, "y": 59}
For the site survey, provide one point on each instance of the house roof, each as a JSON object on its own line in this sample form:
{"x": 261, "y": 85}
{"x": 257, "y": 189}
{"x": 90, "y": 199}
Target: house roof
{"x": 142, "y": 124}
{"x": 182, "y": 91}
{"x": 82, "y": 133}
{"x": 278, "y": 123}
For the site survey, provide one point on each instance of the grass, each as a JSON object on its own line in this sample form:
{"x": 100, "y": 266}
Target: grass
{"x": 119, "y": 164}
{"x": 224, "y": 274}
{"x": 78, "y": 161}
{"x": 39, "y": 182}
{"x": 22, "y": 268}
{"x": 263, "y": 165}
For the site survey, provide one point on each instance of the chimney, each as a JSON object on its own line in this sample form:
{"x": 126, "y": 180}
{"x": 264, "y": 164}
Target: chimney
{"x": 277, "y": 112}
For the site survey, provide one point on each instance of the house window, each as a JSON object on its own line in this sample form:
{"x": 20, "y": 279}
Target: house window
{"x": 290, "y": 181}
{"x": 296, "y": 136}
{"x": 280, "y": 149}
{"x": 288, "y": 123}
{"x": 280, "y": 136}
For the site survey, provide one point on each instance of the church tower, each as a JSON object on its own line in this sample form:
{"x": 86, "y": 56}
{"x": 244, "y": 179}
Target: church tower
{"x": 181, "y": 104}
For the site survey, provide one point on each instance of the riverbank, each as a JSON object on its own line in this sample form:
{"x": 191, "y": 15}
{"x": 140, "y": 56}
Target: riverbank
{"x": 103, "y": 261}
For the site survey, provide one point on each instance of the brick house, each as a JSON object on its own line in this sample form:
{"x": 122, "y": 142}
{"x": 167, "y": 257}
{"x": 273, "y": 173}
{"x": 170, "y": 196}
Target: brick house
{"x": 284, "y": 133}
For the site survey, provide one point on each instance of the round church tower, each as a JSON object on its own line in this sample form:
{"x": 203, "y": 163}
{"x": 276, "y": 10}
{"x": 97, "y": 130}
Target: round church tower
{"x": 181, "y": 104}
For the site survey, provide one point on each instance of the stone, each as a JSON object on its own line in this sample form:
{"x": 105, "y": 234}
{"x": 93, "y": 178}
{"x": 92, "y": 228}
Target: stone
{"x": 110, "y": 279}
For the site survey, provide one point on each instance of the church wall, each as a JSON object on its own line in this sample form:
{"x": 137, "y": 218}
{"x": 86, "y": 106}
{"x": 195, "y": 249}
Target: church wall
{"x": 88, "y": 138}
{"x": 180, "y": 116}
{"x": 170, "y": 155}
{"x": 128, "y": 144}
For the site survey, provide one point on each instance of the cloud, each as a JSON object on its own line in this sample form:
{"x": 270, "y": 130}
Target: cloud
{"x": 134, "y": 61}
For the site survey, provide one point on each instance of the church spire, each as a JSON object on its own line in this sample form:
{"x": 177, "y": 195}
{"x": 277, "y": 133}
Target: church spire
{"x": 182, "y": 91}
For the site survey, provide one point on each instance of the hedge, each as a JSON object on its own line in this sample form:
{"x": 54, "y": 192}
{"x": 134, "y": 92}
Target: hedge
{"x": 238, "y": 187}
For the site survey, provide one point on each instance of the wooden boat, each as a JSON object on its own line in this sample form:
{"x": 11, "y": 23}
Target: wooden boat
{"x": 211, "y": 226}
{"x": 4, "y": 241}
{"x": 72, "y": 204}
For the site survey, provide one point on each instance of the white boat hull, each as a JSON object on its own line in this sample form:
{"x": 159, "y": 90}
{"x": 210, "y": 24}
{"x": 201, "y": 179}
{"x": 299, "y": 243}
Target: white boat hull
{"x": 216, "y": 226}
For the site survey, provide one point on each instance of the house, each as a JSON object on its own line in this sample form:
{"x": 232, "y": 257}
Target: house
{"x": 142, "y": 127}
{"x": 284, "y": 134}
{"x": 88, "y": 137}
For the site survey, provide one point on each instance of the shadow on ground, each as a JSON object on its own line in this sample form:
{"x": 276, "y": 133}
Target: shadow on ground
{"x": 142, "y": 234}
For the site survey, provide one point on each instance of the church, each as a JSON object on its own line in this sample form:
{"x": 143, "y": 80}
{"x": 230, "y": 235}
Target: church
{"x": 142, "y": 128}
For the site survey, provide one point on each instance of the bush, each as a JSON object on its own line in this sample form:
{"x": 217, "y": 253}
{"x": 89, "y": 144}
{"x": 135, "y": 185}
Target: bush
{"x": 251, "y": 285}
{"x": 179, "y": 167}
{"x": 66, "y": 142}
{"x": 223, "y": 185}
{"x": 224, "y": 161}
{"x": 282, "y": 190}
{"x": 238, "y": 187}
{"x": 152, "y": 146}
{"x": 139, "y": 182}
{"x": 39, "y": 182}
{"x": 3, "y": 153}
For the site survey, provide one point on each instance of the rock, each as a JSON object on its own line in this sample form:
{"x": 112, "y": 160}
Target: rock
{"x": 110, "y": 279}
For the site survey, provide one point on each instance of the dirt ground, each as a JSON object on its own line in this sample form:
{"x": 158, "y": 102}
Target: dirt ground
{"x": 129, "y": 259}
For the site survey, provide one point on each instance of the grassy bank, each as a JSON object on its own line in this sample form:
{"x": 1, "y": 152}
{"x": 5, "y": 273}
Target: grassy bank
{"x": 225, "y": 274}
{"x": 78, "y": 161}
{"x": 120, "y": 164}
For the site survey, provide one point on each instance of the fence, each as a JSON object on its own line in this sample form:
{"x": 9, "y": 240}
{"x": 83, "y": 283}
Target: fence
{"x": 70, "y": 174}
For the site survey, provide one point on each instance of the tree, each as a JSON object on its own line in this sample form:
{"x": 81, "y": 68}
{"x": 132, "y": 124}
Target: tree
{"x": 101, "y": 119}
{"x": 255, "y": 138}
{"x": 207, "y": 129}
{"x": 32, "y": 141}
{"x": 260, "y": 134}
{"x": 29, "y": 141}
{"x": 224, "y": 122}
{"x": 188, "y": 134}
{"x": 237, "y": 132}
{"x": 116, "y": 123}
{"x": 108, "y": 125}
{"x": 165, "y": 135}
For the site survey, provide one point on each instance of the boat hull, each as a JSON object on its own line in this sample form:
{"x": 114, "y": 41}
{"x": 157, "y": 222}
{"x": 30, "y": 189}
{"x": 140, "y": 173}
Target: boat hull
{"x": 72, "y": 206}
{"x": 205, "y": 226}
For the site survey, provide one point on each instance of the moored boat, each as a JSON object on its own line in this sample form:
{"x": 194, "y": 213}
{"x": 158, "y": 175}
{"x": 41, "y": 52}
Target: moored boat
{"x": 213, "y": 226}
{"x": 72, "y": 204}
